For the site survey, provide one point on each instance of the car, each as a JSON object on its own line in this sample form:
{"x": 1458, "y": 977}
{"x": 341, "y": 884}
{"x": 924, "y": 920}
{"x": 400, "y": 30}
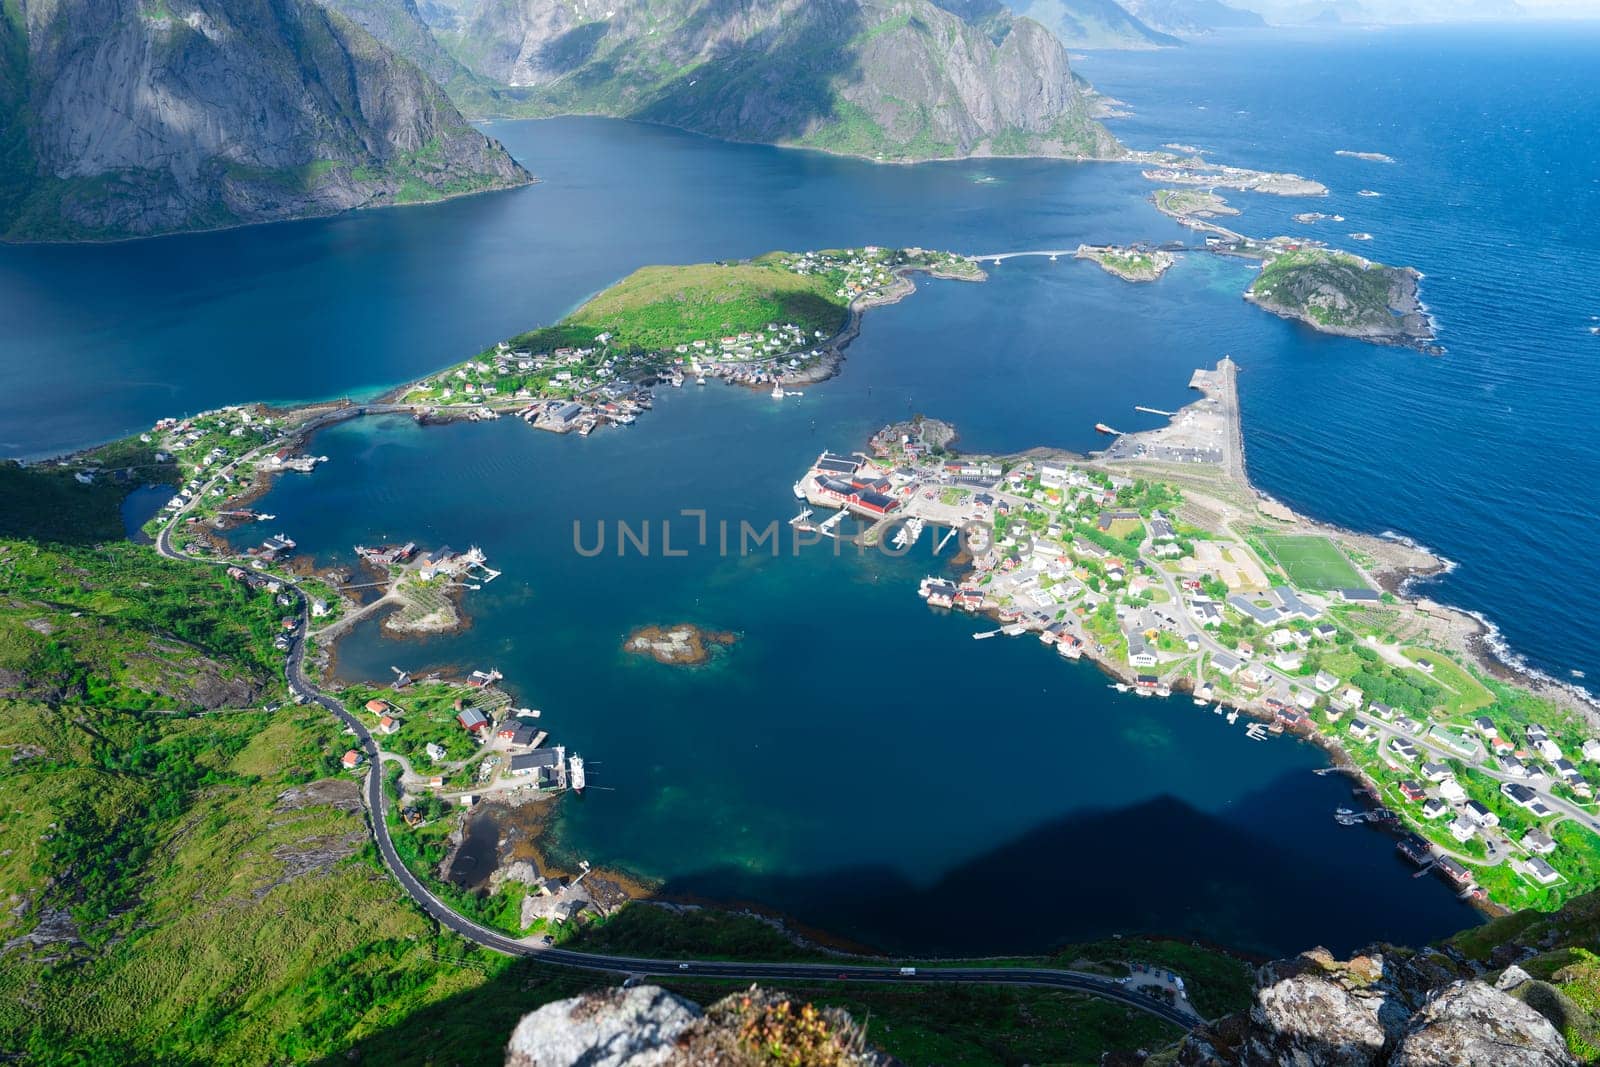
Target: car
{"x": 548, "y": 940}
{"x": 683, "y": 966}
{"x": 906, "y": 972}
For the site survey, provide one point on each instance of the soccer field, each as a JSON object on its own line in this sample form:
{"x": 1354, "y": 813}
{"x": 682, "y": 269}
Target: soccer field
{"x": 1313, "y": 562}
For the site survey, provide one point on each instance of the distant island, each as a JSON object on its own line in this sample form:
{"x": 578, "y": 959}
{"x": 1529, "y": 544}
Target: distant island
{"x": 682, "y": 645}
{"x": 1344, "y": 294}
{"x": 1129, "y": 264}
{"x": 1370, "y": 157}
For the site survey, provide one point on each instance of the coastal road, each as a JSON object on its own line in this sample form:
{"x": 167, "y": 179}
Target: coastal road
{"x": 1071, "y": 981}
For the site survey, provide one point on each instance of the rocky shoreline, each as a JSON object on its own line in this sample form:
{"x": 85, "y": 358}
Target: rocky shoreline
{"x": 1412, "y": 326}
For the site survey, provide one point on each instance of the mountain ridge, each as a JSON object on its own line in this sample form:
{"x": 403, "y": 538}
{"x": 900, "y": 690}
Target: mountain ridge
{"x": 897, "y": 80}
{"x": 131, "y": 118}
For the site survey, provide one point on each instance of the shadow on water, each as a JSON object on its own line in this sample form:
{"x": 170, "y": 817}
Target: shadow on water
{"x": 1088, "y": 876}
{"x": 1035, "y": 895}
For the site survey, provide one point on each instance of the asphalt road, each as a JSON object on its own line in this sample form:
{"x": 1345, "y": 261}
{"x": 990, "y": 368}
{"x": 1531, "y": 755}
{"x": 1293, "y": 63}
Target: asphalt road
{"x": 1074, "y": 981}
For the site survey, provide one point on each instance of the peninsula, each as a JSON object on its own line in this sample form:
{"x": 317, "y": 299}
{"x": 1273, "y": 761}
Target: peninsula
{"x": 778, "y": 320}
{"x": 1158, "y": 561}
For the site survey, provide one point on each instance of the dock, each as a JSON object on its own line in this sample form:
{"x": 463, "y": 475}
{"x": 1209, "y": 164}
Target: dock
{"x": 1155, "y": 411}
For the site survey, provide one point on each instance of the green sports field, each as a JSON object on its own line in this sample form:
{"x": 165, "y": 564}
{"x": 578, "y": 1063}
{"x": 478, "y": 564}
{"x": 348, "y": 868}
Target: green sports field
{"x": 1313, "y": 562}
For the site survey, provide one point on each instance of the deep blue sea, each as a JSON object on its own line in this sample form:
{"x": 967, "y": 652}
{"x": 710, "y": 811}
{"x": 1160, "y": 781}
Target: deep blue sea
{"x": 856, "y": 760}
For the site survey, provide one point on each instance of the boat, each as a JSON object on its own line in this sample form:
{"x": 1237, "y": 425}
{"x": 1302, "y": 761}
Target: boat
{"x": 1101, "y": 427}
{"x": 1013, "y": 629}
{"x": 576, "y": 778}
{"x": 1163, "y": 691}
{"x": 777, "y": 392}
{"x": 1199, "y": 702}
{"x": 1367, "y": 192}
{"x": 799, "y": 491}
{"x": 1233, "y": 716}
{"x": 700, "y": 379}
{"x": 1218, "y": 709}
{"x": 1363, "y": 236}
{"x": 1121, "y": 687}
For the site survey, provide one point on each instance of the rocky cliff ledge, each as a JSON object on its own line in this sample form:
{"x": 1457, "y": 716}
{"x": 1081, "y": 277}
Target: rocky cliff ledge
{"x": 646, "y": 1026}
{"x": 125, "y": 118}
{"x": 1382, "y": 1011}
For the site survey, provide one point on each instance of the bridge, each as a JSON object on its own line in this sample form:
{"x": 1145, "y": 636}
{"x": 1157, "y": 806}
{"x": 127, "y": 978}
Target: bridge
{"x": 1053, "y": 253}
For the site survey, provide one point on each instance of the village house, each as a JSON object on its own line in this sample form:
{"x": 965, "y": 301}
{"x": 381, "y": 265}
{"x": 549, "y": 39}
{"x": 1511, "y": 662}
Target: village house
{"x": 1538, "y": 842}
{"x": 1541, "y": 872}
{"x": 351, "y": 760}
{"x": 1463, "y": 829}
{"x": 1452, "y": 790}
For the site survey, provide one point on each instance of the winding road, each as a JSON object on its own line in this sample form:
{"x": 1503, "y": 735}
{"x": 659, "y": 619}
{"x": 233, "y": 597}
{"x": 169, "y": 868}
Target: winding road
{"x": 1074, "y": 981}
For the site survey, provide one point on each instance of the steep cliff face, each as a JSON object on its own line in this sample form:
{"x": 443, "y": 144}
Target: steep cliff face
{"x": 149, "y": 116}
{"x": 897, "y": 79}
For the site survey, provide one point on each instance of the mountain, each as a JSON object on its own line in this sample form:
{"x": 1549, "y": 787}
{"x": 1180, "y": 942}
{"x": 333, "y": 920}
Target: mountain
{"x": 126, "y": 118}
{"x": 1190, "y": 18}
{"x": 890, "y": 79}
{"x": 1093, "y": 24}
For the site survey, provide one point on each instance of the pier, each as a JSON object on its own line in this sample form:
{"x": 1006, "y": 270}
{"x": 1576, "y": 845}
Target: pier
{"x": 1155, "y": 411}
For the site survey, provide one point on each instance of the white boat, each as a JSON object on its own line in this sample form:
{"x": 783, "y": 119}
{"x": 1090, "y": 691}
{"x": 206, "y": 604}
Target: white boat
{"x": 799, "y": 491}
{"x": 1013, "y": 629}
{"x": 1233, "y": 716}
{"x": 1121, "y": 687}
{"x": 1218, "y": 709}
{"x": 1199, "y": 702}
{"x": 576, "y": 777}
{"x": 777, "y": 392}
{"x": 1163, "y": 691}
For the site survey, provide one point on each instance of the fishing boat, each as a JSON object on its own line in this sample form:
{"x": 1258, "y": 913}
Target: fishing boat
{"x": 700, "y": 379}
{"x": 1199, "y": 702}
{"x": 777, "y": 391}
{"x": 1218, "y": 709}
{"x": 1121, "y": 687}
{"x": 1163, "y": 691}
{"x": 576, "y": 777}
{"x": 1233, "y": 716}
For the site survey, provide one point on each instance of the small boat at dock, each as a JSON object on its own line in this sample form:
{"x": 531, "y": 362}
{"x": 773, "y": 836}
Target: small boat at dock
{"x": 1233, "y": 716}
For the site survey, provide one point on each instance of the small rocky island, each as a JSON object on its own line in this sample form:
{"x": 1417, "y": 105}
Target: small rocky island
{"x": 1344, "y": 294}
{"x": 682, "y": 645}
{"x": 1129, "y": 264}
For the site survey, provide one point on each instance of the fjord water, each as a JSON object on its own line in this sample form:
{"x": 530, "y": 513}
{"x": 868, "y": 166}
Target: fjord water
{"x": 856, "y": 760}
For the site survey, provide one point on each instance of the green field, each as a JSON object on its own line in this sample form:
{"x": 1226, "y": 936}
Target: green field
{"x": 659, "y": 307}
{"x": 1312, "y": 562}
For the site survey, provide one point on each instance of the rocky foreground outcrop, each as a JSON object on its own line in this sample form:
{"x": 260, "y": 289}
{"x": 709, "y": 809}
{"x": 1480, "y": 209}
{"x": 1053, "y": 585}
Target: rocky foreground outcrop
{"x": 896, "y": 79}
{"x": 124, "y": 118}
{"x": 1381, "y": 1011}
{"x": 646, "y": 1026}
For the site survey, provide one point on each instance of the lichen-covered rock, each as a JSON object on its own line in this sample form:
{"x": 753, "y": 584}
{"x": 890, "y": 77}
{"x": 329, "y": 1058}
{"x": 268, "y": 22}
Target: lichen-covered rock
{"x": 1470, "y": 1023}
{"x": 1381, "y": 1009}
{"x": 648, "y": 1027}
{"x": 635, "y": 1027}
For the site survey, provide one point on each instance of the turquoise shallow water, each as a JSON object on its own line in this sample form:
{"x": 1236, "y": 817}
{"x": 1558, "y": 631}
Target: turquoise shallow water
{"x": 857, "y": 760}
